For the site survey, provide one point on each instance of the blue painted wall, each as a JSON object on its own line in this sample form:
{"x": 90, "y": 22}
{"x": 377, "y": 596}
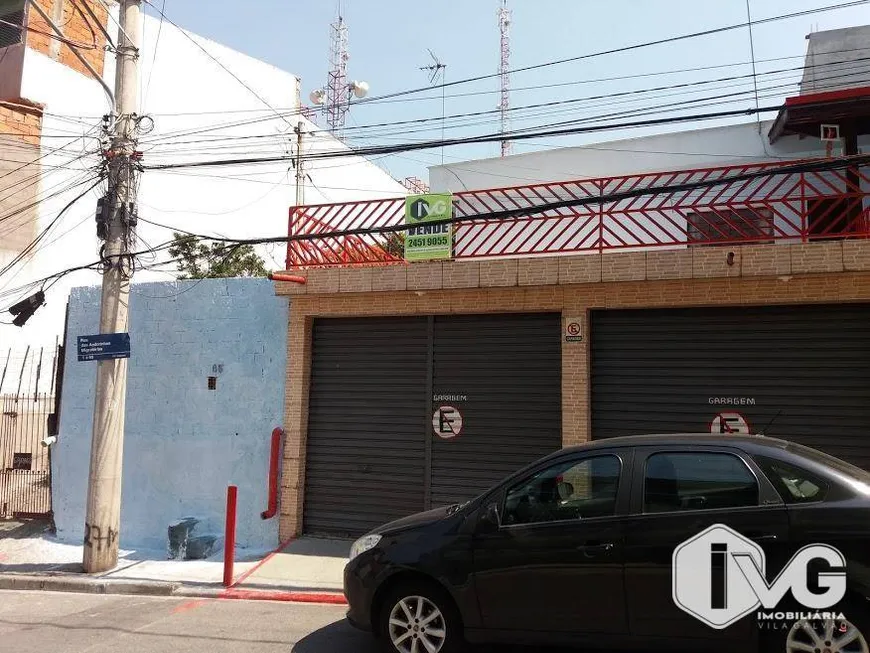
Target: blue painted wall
{"x": 184, "y": 443}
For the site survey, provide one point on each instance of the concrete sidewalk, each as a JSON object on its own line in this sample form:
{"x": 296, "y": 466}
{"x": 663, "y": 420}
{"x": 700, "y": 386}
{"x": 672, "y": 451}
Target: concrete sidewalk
{"x": 308, "y": 563}
{"x": 302, "y": 570}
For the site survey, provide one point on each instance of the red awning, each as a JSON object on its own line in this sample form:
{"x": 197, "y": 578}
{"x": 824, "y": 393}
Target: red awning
{"x": 805, "y": 114}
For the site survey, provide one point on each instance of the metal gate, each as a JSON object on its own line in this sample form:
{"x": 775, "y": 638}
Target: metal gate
{"x": 28, "y": 414}
{"x": 801, "y": 373}
{"x": 25, "y": 475}
{"x": 411, "y": 413}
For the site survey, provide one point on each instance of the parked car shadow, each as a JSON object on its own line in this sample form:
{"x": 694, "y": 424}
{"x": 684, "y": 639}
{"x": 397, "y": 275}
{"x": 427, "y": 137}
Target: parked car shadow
{"x": 341, "y": 637}
{"x": 337, "y": 637}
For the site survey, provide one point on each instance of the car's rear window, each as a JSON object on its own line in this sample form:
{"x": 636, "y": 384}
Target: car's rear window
{"x": 794, "y": 484}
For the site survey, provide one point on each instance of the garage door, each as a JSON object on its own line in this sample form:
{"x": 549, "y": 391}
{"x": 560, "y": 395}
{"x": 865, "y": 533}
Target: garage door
{"x": 366, "y": 408}
{"x": 796, "y": 372}
{"x": 411, "y": 413}
{"x": 506, "y": 372}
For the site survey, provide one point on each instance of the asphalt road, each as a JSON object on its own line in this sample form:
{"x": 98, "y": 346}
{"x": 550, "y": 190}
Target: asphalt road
{"x": 36, "y": 622}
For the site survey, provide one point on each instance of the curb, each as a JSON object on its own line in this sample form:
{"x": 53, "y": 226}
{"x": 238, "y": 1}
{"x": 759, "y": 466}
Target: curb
{"x": 85, "y": 585}
{"x": 321, "y": 598}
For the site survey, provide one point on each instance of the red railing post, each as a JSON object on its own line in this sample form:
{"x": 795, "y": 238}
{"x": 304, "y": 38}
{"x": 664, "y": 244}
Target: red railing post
{"x": 804, "y": 212}
{"x": 292, "y": 230}
{"x": 230, "y": 535}
{"x": 274, "y": 462}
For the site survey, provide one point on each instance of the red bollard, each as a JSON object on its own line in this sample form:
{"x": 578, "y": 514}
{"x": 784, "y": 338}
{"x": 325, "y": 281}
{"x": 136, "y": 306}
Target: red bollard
{"x": 274, "y": 463}
{"x": 230, "y": 536}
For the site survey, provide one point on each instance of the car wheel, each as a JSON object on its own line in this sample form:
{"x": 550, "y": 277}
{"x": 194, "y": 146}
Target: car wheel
{"x": 849, "y": 635}
{"x": 420, "y": 619}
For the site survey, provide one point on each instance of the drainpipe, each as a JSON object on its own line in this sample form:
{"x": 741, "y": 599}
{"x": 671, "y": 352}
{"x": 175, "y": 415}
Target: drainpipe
{"x": 274, "y": 462}
{"x": 292, "y": 278}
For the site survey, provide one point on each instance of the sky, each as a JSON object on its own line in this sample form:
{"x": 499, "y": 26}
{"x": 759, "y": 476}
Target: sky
{"x": 389, "y": 42}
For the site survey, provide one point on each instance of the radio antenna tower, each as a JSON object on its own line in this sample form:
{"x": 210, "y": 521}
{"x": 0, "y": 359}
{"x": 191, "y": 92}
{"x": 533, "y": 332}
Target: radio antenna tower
{"x": 336, "y": 86}
{"x": 504, "y": 26}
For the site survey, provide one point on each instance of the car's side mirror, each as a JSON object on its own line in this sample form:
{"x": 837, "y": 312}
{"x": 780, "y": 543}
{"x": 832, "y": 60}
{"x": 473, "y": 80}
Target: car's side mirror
{"x": 489, "y": 520}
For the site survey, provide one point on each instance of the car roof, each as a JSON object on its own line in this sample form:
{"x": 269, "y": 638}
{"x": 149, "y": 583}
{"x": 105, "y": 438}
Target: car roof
{"x": 654, "y": 439}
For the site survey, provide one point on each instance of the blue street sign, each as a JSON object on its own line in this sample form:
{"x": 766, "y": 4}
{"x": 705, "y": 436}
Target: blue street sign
{"x": 104, "y": 346}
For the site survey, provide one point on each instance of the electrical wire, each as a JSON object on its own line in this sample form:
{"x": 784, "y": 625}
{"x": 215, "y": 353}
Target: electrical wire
{"x": 619, "y": 50}
{"x": 26, "y": 206}
{"x": 484, "y": 138}
{"x": 295, "y": 111}
{"x": 525, "y": 133}
{"x": 51, "y": 35}
{"x": 51, "y": 151}
{"x": 812, "y": 165}
{"x": 219, "y": 63}
{"x": 154, "y": 58}
{"x": 222, "y": 141}
{"x": 78, "y": 9}
{"x": 644, "y": 110}
{"x": 32, "y": 247}
{"x": 798, "y": 167}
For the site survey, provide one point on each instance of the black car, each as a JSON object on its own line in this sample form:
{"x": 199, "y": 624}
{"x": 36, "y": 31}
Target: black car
{"x": 577, "y": 549}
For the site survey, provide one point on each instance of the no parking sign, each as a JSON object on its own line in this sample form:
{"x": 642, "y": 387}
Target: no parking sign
{"x": 574, "y": 330}
{"x": 730, "y": 424}
{"x": 447, "y": 422}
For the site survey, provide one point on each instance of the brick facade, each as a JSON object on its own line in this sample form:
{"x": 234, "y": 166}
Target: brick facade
{"x": 757, "y": 275}
{"x": 21, "y": 122}
{"x": 77, "y": 26}
{"x": 20, "y": 130}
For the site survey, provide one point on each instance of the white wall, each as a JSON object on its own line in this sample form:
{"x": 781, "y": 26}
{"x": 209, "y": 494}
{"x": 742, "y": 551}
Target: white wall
{"x": 233, "y": 201}
{"x": 686, "y": 150}
{"x": 836, "y": 60}
{"x": 183, "y": 442}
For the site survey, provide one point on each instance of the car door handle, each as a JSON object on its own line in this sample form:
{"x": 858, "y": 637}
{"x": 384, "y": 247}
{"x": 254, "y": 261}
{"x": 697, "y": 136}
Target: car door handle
{"x": 592, "y": 549}
{"x": 762, "y": 537}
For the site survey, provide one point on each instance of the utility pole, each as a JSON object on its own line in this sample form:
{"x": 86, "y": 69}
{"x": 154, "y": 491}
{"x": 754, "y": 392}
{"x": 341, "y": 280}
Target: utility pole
{"x": 300, "y": 175}
{"x": 103, "y": 516}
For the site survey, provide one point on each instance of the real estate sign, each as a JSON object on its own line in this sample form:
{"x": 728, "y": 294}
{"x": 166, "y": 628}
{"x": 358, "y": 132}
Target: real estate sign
{"x": 425, "y": 241}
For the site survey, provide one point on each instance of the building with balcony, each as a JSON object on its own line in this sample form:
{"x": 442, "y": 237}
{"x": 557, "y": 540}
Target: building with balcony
{"x": 714, "y": 280}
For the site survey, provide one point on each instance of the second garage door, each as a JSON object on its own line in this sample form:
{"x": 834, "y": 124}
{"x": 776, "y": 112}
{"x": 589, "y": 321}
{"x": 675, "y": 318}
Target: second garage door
{"x": 796, "y": 372}
{"x": 411, "y": 413}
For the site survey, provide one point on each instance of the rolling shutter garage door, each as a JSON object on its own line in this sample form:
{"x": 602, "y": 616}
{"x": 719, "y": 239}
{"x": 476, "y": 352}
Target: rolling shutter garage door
{"x": 806, "y": 369}
{"x": 507, "y": 370}
{"x": 377, "y": 383}
{"x": 365, "y": 448}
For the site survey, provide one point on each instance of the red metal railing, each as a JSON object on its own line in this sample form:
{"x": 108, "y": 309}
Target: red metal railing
{"x": 752, "y": 203}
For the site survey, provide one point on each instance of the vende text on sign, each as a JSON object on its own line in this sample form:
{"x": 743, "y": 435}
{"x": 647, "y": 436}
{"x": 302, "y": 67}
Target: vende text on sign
{"x": 425, "y": 241}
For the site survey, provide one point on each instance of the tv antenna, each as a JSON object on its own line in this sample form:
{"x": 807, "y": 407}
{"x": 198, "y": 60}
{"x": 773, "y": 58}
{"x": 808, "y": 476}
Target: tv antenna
{"x": 438, "y": 71}
{"x": 436, "y": 68}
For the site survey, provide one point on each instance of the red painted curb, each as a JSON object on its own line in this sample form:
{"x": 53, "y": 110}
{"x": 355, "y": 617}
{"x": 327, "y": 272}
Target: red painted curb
{"x": 289, "y": 597}
{"x": 262, "y": 562}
